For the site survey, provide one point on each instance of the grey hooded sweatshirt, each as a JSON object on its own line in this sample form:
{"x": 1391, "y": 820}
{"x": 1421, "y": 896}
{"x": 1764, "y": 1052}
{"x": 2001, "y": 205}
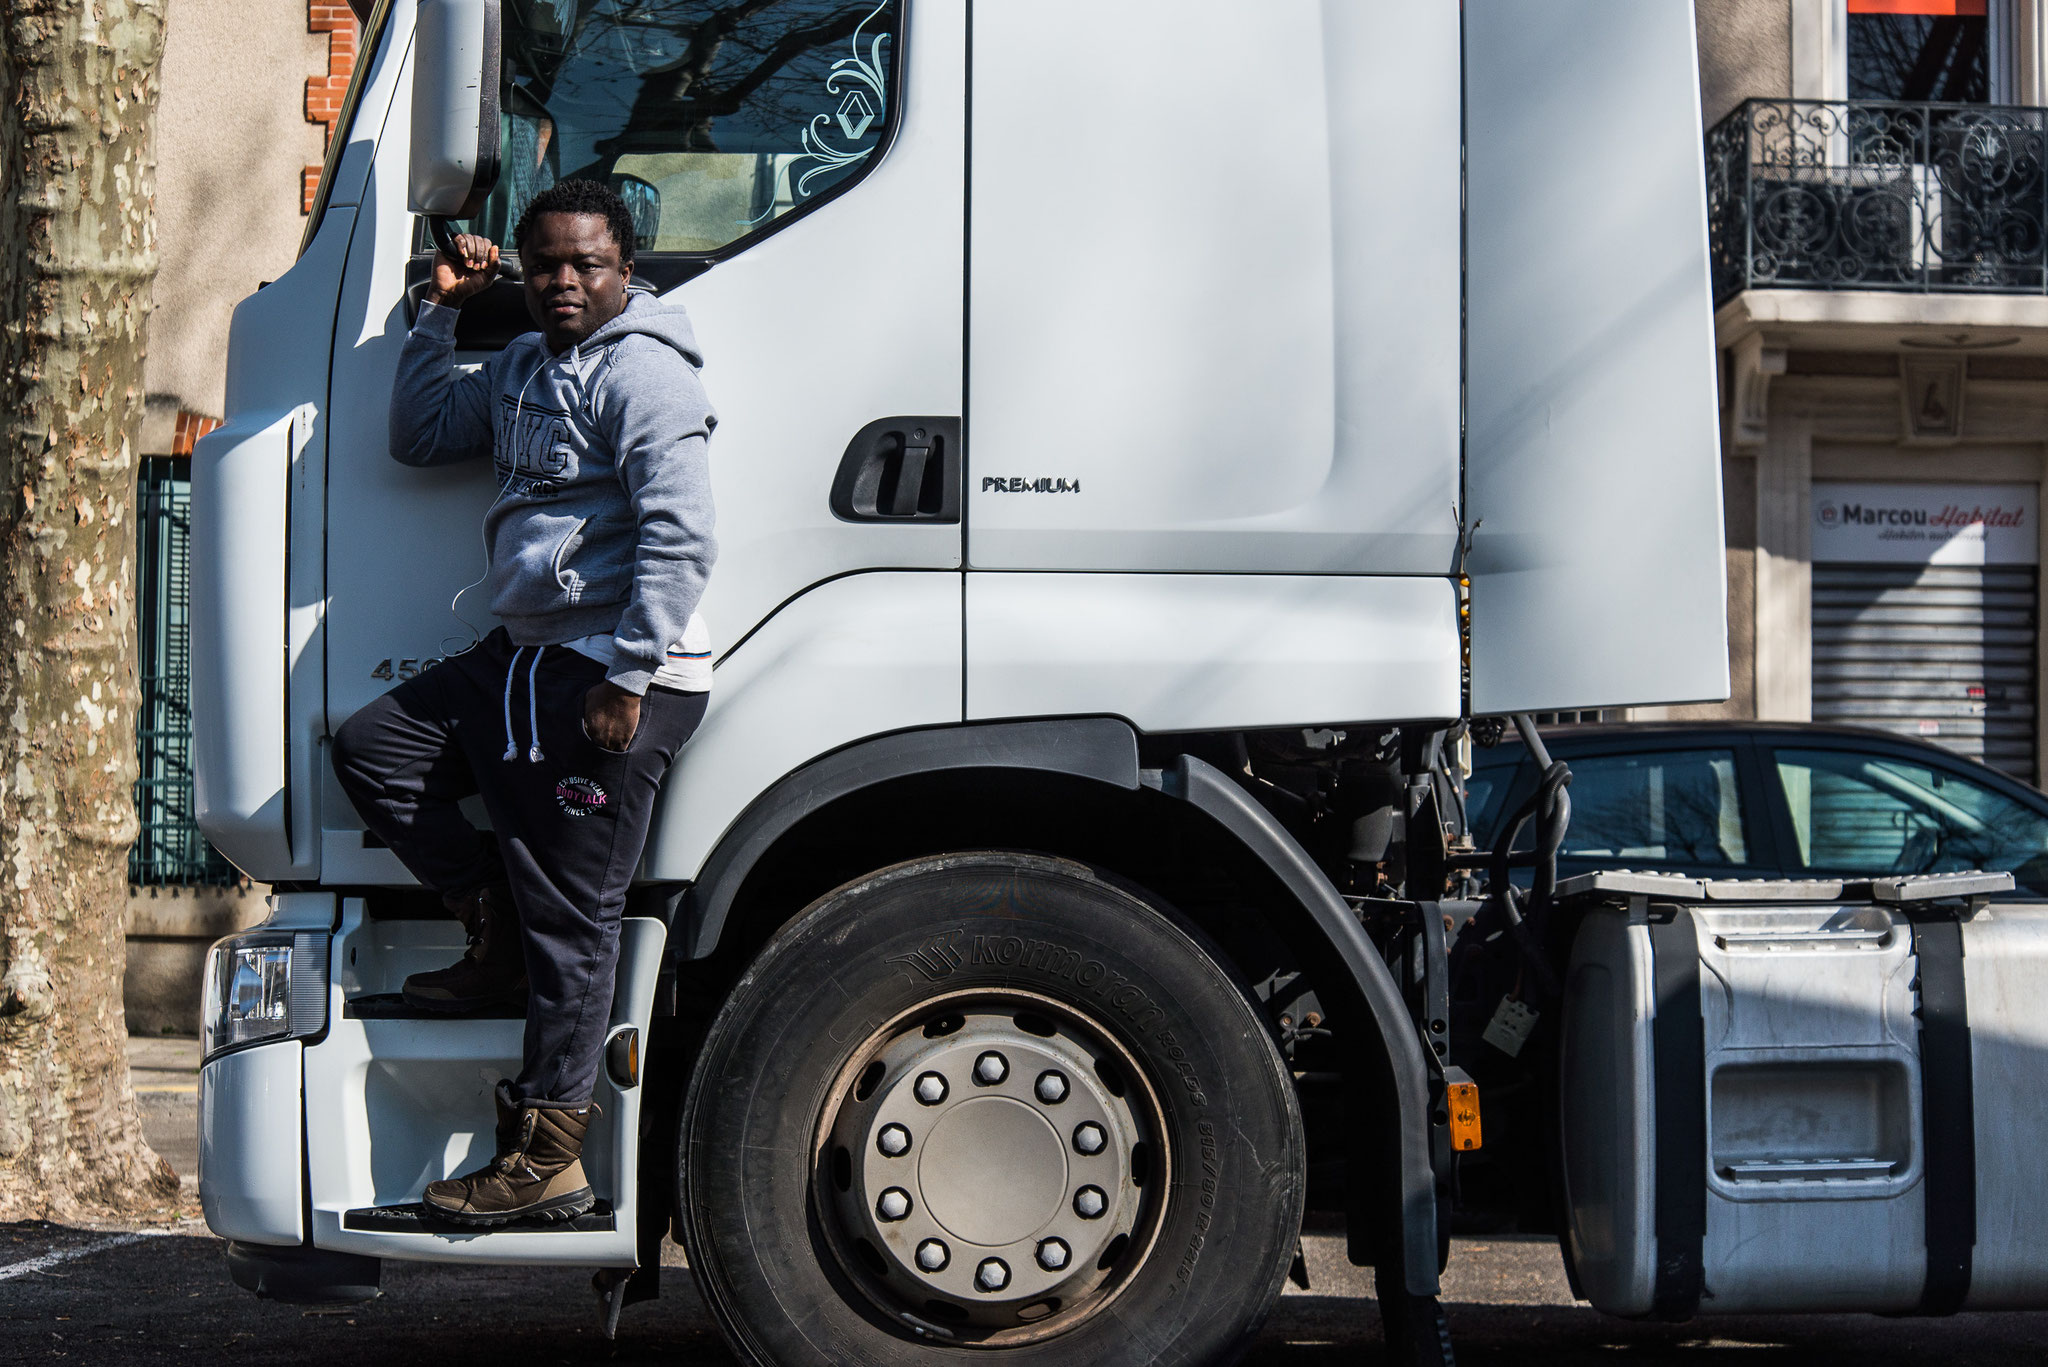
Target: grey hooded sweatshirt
{"x": 603, "y": 518}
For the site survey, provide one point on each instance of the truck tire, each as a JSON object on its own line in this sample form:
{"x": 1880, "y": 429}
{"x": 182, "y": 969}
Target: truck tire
{"x": 961, "y": 1108}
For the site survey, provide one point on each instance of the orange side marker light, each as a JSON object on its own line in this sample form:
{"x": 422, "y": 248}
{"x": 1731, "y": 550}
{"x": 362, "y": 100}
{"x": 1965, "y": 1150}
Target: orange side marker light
{"x": 1464, "y": 1102}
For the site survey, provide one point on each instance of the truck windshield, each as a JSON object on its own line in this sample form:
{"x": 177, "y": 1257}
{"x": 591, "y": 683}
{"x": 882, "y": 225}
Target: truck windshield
{"x": 712, "y": 120}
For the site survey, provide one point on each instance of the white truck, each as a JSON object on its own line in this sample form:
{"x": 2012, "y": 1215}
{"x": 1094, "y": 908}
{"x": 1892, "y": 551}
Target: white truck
{"x": 1156, "y": 435}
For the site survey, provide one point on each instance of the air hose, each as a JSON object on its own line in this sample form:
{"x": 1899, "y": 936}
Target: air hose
{"x": 1550, "y": 807}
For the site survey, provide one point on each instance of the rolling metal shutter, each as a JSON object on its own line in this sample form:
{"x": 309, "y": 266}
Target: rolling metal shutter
{"x": 1938, "y": 652}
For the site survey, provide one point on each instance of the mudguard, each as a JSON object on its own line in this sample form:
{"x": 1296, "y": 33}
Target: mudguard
{"x": 1105, "y": 750}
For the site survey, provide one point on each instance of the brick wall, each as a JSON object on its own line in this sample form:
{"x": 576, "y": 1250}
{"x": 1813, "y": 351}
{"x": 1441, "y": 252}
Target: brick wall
{"x": 189, "y": 429}
{"x": 324, "y": 93}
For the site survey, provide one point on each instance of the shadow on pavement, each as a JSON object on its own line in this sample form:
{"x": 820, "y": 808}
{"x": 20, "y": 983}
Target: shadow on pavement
{"x": 1322, "y": 1331}
{"x": 167, "y": 1299}
{"x": 72, "y": 1295}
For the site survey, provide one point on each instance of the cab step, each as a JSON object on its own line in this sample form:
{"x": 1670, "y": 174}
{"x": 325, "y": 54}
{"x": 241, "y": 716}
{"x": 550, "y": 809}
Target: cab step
{"x": 414, "y": 1218}
{"x": 392, "y": 1006}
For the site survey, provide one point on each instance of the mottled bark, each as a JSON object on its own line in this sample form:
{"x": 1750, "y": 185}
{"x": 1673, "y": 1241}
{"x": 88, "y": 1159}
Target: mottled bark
{"x": 78, "y": 88}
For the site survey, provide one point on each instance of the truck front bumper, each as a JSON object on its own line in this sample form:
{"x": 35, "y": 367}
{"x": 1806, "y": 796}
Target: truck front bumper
{"x": 252, "y": 1145}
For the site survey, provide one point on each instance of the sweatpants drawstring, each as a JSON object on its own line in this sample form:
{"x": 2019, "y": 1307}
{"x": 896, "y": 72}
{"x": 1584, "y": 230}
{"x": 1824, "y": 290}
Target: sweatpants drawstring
{"x": 533, "y": 754}
{"x": 511, "y": 672}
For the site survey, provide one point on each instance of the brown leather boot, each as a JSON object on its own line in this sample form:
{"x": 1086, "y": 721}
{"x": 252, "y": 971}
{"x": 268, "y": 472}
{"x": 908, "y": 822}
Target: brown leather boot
{"x": 493, "y": 970}
{"x": 537, "y": 1174}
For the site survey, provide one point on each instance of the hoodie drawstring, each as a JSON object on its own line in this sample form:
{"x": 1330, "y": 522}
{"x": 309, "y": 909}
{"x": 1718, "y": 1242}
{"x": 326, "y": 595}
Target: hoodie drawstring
{"x": 533, "y": 753}
{"x": 511, "y": 671}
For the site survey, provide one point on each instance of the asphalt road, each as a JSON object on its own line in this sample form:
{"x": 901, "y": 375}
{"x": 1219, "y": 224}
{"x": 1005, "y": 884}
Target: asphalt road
{"x": 162, "y": 1296}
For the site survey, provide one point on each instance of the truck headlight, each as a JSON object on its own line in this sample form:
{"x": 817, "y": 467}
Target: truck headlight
{"x": 263, "y": 985}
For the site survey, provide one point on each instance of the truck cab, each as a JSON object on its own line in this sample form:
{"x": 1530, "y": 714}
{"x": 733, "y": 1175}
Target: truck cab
{"x": 1149, "y": 436}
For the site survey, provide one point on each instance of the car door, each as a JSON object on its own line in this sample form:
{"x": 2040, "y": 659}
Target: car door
{"x": 1854, "y": 809}
{"x": 1687, "y": 803}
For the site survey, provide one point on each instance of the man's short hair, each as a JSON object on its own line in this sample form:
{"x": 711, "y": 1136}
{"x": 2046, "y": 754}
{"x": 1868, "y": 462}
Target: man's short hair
{"x": 581, "y": 197}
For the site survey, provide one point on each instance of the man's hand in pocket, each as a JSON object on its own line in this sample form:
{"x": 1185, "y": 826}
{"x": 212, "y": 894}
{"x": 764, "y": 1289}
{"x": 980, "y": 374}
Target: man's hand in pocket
{"x": 611, "y": 715}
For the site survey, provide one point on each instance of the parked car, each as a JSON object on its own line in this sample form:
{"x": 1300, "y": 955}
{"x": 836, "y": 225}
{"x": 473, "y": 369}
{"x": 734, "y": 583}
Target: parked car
{"x": 1771, "y": 800}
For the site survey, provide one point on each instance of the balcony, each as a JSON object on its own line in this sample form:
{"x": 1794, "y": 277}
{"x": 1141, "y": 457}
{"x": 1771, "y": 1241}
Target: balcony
{"x": 1867, "y": 196}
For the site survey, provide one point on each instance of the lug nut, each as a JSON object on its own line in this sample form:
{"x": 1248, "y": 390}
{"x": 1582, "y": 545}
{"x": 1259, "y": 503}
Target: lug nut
{"x": 991, "y": 1068}
{"x": 992, "y": 1275}
{"x": 894, "y": 1205}
{"x": 1052, "y": 1087}
{"x": 1089, "y": 1203}
{"x": 933, "y": 1256}
{"x": 1053, "y": 1254}
{"x": 1088, "y": 1138}
{"x": 894, "y": 1141}
{"x": 930, "y": 1088}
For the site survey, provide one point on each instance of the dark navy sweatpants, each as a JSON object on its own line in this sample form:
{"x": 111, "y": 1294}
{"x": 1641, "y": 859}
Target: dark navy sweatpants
{"x": 569, "y": 820}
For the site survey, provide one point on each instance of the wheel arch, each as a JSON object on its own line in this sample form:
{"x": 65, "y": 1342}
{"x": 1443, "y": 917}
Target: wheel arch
{"x": 1091, "y": 749}
{"x": 1067, "y": 782}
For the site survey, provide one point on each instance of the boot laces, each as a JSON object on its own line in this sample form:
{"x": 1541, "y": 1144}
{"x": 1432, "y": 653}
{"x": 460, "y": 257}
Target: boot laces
{"x": 520, "y": 1159}
{"x": 475, "y": 952}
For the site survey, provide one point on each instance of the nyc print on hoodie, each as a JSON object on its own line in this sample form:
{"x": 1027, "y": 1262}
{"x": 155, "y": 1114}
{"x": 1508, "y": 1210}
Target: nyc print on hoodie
{"x": 602, "y": 526}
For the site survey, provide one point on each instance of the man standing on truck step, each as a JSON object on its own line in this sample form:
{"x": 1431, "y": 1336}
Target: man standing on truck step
{"x": 566, "y": 717}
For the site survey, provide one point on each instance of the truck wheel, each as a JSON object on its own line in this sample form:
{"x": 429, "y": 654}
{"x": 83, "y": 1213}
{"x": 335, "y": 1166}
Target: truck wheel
{"x": 989, "y": 1103}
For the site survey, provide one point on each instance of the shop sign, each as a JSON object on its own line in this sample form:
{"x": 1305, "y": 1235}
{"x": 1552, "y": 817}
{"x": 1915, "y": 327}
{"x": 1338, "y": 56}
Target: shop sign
{"x": 1926, "y": 524}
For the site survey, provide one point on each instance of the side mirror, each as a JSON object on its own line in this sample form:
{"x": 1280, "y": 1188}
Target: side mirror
{"x": 456, "y": 62}
{"x": 643, "y": 202}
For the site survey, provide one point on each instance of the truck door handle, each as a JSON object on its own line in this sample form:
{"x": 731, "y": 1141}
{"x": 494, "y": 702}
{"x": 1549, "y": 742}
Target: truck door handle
{"x": 900, "y": 470}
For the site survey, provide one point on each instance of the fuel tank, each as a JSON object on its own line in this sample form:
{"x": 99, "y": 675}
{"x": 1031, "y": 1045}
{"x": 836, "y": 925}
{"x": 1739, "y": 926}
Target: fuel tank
{"x": 1805, "y": 1096}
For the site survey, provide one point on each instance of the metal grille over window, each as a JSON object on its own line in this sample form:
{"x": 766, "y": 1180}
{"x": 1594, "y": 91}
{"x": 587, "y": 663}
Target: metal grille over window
{"x": 711, "y": 120}
{"x": 168, "y": 849}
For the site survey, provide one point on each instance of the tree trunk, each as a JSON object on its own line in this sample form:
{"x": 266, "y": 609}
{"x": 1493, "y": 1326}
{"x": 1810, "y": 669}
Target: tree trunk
{"x": 78, "y": 89}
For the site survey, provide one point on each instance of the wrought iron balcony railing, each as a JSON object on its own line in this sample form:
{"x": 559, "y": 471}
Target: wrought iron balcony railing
{"x": 1922, "y": 198}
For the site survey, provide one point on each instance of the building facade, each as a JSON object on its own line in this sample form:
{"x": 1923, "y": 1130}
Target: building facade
{"x": 1878, "y": 192}
{"x": 250, "y": 91}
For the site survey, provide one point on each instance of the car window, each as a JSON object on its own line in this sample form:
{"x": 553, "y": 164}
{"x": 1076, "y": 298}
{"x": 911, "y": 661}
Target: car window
{"x": 1873, "y": 814}
{"x": 1670, "y": 807}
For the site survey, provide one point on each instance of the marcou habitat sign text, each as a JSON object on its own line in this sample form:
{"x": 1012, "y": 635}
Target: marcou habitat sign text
{"x": 1926, "y": 524}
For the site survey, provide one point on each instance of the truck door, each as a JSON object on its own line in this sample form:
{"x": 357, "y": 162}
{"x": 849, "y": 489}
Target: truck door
{"x": 795, "y": 175}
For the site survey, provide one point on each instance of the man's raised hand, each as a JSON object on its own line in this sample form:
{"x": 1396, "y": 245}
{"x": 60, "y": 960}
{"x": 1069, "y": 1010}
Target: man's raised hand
{"x": 455, "y": 281}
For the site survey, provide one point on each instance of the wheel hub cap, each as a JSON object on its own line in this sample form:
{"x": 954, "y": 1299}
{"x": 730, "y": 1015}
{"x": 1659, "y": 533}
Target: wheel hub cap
{"x": 993, "y": 1171}
{"x": 987, "y": 1171}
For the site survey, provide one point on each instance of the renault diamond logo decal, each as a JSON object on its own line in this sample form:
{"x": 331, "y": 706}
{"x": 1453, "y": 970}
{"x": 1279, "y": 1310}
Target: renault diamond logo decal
{"x": 855, "y": 114}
